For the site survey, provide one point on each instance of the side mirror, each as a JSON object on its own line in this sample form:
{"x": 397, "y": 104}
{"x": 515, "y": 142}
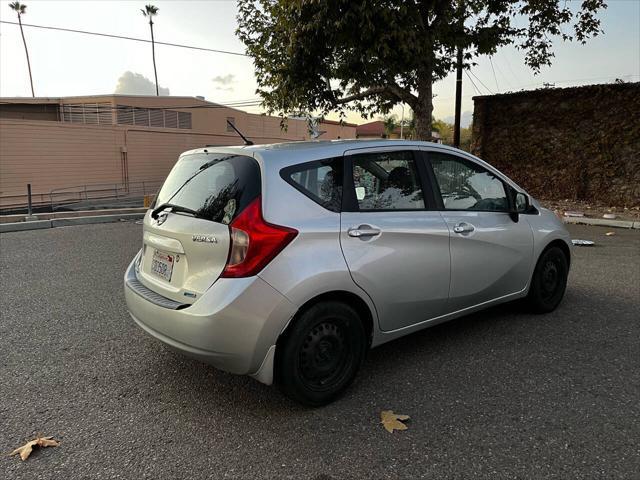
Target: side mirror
{"x": 521, "y": 202}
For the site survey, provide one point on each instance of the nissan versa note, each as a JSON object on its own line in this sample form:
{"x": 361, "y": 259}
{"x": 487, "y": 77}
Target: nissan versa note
{"x": 288, "y": 262}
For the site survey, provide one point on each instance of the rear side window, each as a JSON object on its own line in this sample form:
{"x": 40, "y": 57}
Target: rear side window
{"x": 216, "y": 186}
{"x": 321, "y": 181}
{"x": 387, "y": 181}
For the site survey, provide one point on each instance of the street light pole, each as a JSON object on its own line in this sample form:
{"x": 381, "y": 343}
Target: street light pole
{"x": 402, "y": 122}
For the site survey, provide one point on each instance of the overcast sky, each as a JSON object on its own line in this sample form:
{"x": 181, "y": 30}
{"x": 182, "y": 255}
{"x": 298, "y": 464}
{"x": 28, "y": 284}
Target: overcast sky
{"x": 66, "y": 64}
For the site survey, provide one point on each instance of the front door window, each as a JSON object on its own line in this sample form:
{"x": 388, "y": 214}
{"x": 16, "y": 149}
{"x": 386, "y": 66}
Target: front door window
{"x": 467, "y": 186}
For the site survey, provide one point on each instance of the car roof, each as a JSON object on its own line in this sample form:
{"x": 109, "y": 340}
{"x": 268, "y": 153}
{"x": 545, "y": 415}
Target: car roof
{"x": 316, "y": 149}
{"x": 276, "y": 156}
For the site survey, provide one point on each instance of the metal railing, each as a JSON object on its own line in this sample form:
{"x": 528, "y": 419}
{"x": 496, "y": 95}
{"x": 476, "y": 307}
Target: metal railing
{"x": 89, "y": 197}
{"x": 102, "y": 195}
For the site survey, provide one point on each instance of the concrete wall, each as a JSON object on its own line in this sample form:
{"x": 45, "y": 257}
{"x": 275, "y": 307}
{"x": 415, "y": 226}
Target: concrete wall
{"x": 580, "y": 143}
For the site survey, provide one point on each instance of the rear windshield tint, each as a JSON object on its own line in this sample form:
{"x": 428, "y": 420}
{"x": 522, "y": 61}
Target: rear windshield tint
{"x": 320, "y": 180}
{"x": 216, "y": 186}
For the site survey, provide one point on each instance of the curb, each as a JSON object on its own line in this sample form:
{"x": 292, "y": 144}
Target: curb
{"x": 19, "y": 226}
{"x": 602, "y": 222}
{"x": 66, "y": 222}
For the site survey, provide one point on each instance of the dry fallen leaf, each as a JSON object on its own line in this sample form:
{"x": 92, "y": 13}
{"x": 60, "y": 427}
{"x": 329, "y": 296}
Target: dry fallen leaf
{"x": 391, "y": 421}
{"x": 26, "y": 449}
{"x": 610, "y": 234}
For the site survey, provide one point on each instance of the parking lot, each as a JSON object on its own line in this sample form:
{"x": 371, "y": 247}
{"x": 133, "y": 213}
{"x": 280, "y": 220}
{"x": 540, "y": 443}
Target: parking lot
{"x": 500, "y": 394}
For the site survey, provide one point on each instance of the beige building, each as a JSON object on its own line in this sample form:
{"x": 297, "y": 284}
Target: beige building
{"x": 116, "y": 142}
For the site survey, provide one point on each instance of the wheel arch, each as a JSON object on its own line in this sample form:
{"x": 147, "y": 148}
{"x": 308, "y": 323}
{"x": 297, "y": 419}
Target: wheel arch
{"x": 350, "y": 298}
{"x": 562, "y": 245}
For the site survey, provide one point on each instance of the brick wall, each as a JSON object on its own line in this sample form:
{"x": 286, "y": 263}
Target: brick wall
{"x": 580, "y": 143}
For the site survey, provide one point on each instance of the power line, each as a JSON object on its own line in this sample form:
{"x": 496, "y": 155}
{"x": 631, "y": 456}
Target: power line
{"x": 504, "y": 77}
{"x": 494, "y": 74}
{"x": 473, "y": 83}
{"x": 80, "y": 106}
{"x": 510, "y": 69}
{"x": 481, "y": 83}
{"x": 108, "y": 35}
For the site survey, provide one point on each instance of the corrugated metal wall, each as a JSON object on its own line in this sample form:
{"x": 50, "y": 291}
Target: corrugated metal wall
{"x": 52, "y": 155}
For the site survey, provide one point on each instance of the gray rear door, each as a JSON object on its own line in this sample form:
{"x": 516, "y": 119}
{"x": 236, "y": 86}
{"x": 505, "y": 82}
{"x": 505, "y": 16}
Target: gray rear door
{"x": 396, "y": 248}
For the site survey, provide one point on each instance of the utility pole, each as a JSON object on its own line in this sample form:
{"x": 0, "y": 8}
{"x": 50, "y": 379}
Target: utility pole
{"x": 456, "y": 122}
{"x": 456, "y": 126}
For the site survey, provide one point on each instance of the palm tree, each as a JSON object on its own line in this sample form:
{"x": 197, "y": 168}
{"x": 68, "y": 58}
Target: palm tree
{"x": 390, "y": 125}
{"x": 409, "y": 126}
{"x": 151, "y": 11}
{"x": 21, "y": 8}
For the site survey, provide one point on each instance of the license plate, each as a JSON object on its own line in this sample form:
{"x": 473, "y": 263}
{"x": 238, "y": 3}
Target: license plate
{"x": 162, "y": 265}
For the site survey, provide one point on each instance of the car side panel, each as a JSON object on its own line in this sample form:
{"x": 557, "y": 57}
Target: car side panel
{"x": 312, "y": 264}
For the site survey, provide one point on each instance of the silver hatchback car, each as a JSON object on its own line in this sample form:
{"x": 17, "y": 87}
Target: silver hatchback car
{"x": 288, "y": 262}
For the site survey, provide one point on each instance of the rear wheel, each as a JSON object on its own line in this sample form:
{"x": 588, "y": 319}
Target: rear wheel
{"x": 549, "y": 281}
{"x": 321, "y": 353}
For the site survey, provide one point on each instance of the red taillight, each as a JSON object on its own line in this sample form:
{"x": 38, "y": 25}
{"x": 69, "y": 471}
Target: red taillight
{"x": 254, "y": 242}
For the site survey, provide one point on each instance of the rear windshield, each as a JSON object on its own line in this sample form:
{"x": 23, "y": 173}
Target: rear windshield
{"x": 216, "y": 186}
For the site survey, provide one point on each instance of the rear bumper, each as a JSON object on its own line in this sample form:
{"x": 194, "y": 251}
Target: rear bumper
{"x": 231, "y": 326}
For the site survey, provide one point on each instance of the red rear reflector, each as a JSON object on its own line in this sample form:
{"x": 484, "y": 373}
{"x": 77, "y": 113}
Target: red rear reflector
{"x": 254, "y": 242}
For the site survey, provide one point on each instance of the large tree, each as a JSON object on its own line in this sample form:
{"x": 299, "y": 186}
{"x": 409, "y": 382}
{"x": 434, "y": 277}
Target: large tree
{"x": 21, "y": 9}
{"x": 329, "y": 55}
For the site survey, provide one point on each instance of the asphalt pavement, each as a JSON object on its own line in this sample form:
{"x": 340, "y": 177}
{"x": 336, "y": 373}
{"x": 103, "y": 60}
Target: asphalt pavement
{"x": 499, "y": 394}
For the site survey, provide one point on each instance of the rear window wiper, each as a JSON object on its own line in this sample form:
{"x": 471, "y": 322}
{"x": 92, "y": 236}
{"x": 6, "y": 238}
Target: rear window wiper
{"x": 174, "y": 208}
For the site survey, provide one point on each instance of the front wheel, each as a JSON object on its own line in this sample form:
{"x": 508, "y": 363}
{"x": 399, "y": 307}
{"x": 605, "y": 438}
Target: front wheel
{"x": 549, "y": 281}
{"x": 321, "y": 353}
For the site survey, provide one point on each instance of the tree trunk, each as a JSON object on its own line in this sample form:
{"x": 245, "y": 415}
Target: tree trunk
{"x": 423, "y": 112}
{"x": 27, "y": 52}
{"x": 153, "y": 54}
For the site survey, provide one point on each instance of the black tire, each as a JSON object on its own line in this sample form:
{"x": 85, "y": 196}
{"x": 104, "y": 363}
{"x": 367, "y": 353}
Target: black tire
{"x": 321, "y": 353}
{"x": 549, "y": 281}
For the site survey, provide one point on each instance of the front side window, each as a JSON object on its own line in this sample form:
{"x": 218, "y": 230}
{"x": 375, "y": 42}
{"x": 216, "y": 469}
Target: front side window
{"x": 216, "y": 186}
{"x": 321, "y": 181}
{"x": 387, "y": 181}
{"x": 467, "y": 186}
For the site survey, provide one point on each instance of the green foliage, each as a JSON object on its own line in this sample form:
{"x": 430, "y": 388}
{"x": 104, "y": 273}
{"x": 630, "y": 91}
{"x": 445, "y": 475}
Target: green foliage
{"x": 446, "y": 134}
{"x": 390, "y": 124}
{"x": 578, "y": 143}
{"x": 21, "y": 8}
{"x": 322, "y": 55}
{"x": 149, "y": 11}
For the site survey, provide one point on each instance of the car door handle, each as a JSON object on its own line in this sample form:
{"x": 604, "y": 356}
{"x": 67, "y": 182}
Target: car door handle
{"x": 363, "y": 231}
{"x": 463, "y": 228}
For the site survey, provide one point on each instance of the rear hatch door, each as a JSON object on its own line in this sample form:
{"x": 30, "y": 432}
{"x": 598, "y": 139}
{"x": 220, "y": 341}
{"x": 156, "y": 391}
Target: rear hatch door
{"x": 186, "y": 236}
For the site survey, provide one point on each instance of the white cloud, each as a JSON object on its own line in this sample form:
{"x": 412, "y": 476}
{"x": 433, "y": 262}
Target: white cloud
{"x": 131, "y": 83}
{"x": 224, "y": 82}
